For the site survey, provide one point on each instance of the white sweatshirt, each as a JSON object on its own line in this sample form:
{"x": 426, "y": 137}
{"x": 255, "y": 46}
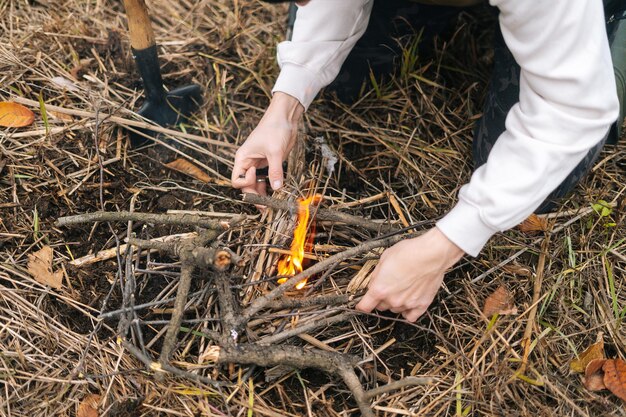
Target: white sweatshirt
{"x": 567, "y": 100}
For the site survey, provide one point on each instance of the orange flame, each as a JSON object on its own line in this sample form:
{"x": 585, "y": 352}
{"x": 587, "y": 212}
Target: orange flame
{"x": 291, "y": 264}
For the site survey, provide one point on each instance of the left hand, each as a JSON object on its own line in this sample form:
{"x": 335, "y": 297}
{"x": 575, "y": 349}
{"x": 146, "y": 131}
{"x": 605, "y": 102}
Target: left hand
{"x": 409, "y": 275}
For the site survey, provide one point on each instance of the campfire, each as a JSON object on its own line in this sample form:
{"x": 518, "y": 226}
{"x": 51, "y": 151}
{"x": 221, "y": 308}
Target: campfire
{"x": 303, "y": 235}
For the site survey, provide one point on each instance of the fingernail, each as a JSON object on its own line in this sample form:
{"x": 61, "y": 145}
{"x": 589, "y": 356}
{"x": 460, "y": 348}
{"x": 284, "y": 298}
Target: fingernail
{"x": 277, "y": 184}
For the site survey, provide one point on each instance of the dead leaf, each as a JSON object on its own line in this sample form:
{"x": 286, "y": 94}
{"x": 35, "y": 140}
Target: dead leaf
{"x": 595, "y": 351}
{"x": 15, "y": 115}
{"x": 534, "y": 224}
{"x": 89, "y": 406}
{"x": 82, "y": 64}
{"x": 184, "y": 166}
{"x": 516, "y": 269}
{"x": 615, "y": 377}
{"x": 499, "y": 302}
{"x": 64, "y": 83}
{"x": 40, "y": 267}
{"x": 594, "y": 375}
{"x": 61, "y": 116}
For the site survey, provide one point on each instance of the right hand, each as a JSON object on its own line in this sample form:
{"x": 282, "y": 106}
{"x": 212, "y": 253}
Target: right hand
{"x": 268, "y": 145}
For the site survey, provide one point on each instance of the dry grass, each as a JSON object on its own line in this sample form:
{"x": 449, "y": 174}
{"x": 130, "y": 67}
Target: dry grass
{"x": 403, "y": 152}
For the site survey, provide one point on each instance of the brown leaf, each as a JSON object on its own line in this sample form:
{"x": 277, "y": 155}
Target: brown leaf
{"x": 516, "y": 269}
{"x": 184, "y": 166}
{"x": 89, "y": 406}
{"x": 595, "y": 351}
{"x": 615, "y": 377}
{"x": 534, "y": 224}
{"x": 594, "y": 375}
{"x": 15, "y": 115}
{"x": 61, "y": 116}
{"x": 40, "y": 267}
{"x": 499, "y": 302}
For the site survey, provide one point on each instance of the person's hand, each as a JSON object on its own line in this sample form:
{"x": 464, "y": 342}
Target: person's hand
{"x": 409, "y": 275}
{"x": 268, "y": 146}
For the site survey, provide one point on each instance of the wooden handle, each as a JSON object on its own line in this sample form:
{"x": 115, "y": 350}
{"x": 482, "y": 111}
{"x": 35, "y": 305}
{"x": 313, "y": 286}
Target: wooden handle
{"x": 141, "y": 34}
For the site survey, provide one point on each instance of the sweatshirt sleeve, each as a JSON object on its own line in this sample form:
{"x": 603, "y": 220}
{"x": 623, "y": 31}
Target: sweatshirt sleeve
{"x": 566, "y": 105}
{"x": 324, "y": 34}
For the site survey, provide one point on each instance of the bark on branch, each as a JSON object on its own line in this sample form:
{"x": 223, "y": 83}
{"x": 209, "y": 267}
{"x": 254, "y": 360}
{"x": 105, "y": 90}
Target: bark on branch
{"x": 173, "y": 219}
{"x": 337, "y": 364}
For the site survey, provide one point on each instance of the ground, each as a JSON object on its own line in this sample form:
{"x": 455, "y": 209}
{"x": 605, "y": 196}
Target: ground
{"x": 403, "y": 151}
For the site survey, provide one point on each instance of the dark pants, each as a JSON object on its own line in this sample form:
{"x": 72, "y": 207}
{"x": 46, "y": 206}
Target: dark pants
{"x": 377, "y": 51}
{"x": 503, "y": 93}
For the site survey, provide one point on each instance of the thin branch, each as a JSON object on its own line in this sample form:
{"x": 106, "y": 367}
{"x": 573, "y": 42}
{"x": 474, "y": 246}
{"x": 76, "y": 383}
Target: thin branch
{"x": 262, "y": 302}
{"x": 322, "y": 214}
{"x": 158, "y": 367}
{"x": 124, "y": 216}
{"x": 409, "y": 381}
{"x": 310, "y": 326}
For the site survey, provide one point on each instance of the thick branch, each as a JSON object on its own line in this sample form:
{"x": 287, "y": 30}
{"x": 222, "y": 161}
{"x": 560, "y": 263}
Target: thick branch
{"x": 333, "y": 363}
{"x": 322, "y": 214}
{"x": 173, "y": 328}
{"x": 123, "y": 216}
{"x": 228, "y": 309}
{"x": 262, "y": 302}
{"x": 218, "y": 259}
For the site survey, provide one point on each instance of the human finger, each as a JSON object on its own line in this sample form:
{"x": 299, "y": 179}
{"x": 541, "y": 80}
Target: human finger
{"x": 383, "y": 306}
{"x": 260, "y": 186}
{"x": 275, "y": 171}
{"x": 243, "y": 178}
{"x": 367, "y": 303}
{"x": 413, "y": 314}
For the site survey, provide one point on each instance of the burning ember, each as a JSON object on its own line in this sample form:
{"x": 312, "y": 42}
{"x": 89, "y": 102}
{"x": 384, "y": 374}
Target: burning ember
{"x": 290, "y": 265}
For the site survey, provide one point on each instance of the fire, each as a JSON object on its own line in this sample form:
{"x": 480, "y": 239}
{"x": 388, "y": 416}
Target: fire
{"x": 291, "y": 264}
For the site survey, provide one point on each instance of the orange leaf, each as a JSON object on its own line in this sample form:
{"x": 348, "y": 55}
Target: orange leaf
{"x": 595, "y": 351}
{"x": 15, "y": 115}
{"x": 534, "y": 224}
{"x": 184, "y": 166}
{"x": 499, "y": 302}
{"x": 40, "y": 267}
{"x": 615, "y": 377}
{"x": 594, "y": 375}
{"x": 89, "y": 406}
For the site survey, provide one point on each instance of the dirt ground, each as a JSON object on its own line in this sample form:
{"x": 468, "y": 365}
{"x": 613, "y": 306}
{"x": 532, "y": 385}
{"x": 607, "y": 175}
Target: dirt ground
{"x": 403, "y": 149}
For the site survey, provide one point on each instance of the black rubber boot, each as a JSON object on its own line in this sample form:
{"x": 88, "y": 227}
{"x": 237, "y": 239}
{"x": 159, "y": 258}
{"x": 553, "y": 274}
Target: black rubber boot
{"x": 377, "y": 52}
{"x": 503, "y": 93}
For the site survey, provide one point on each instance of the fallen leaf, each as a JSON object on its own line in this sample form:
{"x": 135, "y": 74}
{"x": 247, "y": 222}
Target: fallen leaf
{"x": 615, "y": 377}
{"x": 187, "y": 168}
{"x": 595, "y": 351}
{"x": 64, "y": 83}
{"x": 15, "y": 115}
{"x": 40, "y": 267}
{"x": 594, "y": 375}
{"x": 82, "y": 64}
{"x": 89, "y": 406}
{"x": 499, "y": 302}
{"x": 534, "y": 224}
{"x": 184, "y": 166}
{"x": 516, "y": 269}
{"x": 61, "y": 116}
